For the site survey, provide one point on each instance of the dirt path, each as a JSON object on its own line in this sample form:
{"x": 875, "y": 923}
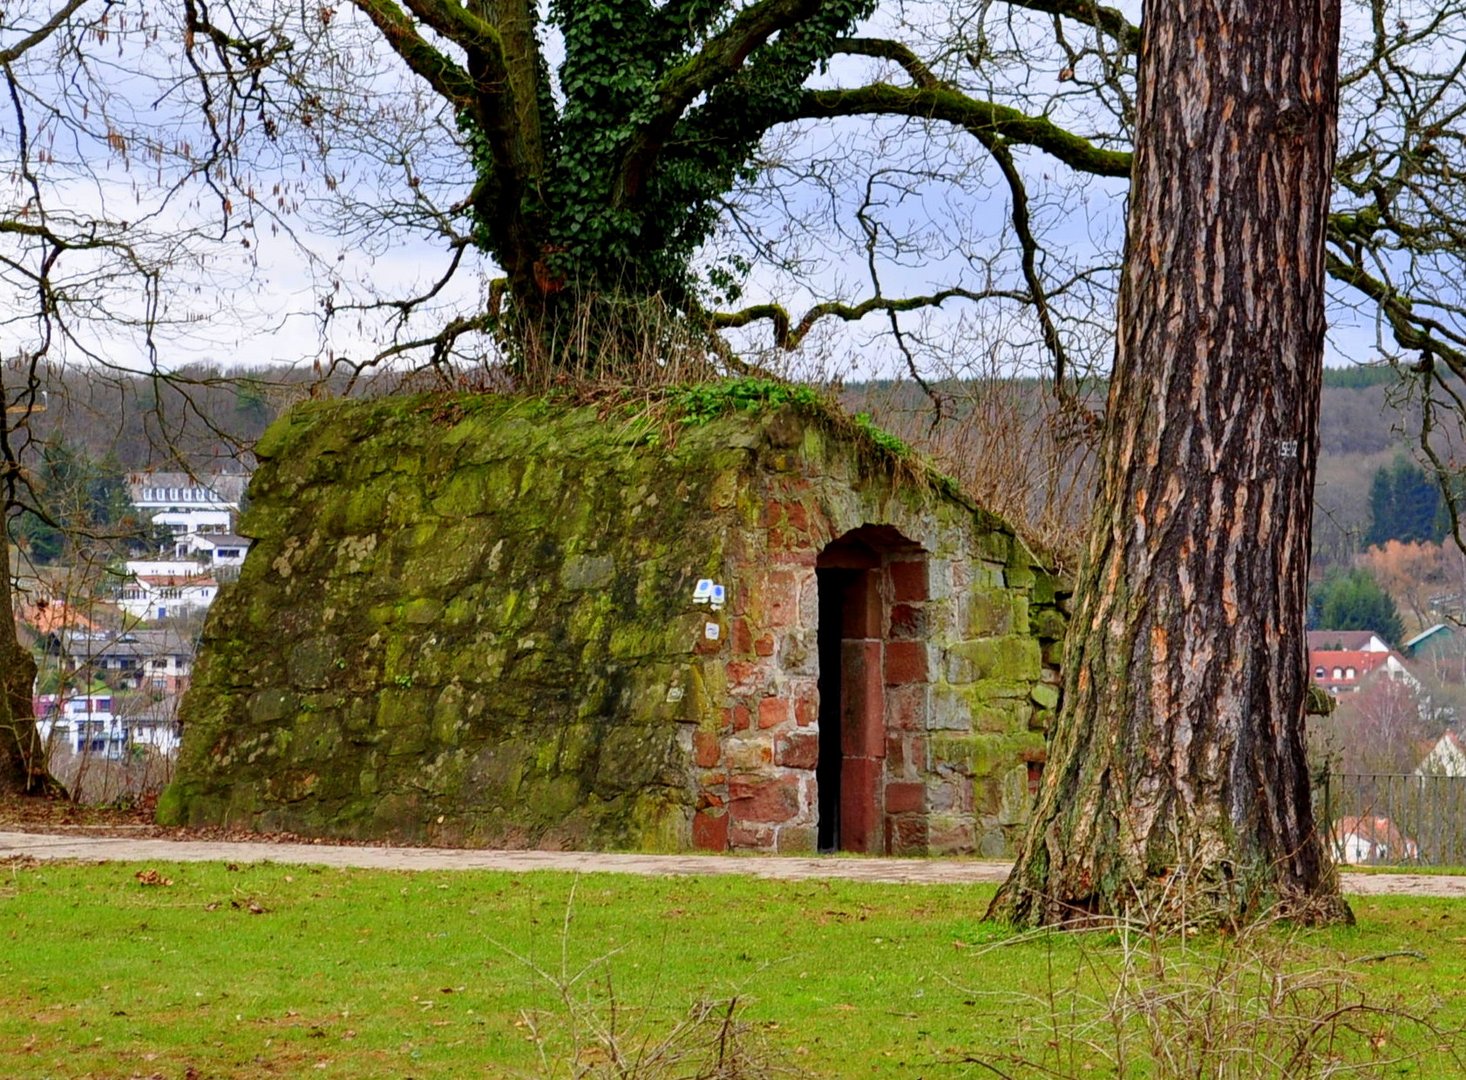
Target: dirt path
{"x": 82, "y": 848}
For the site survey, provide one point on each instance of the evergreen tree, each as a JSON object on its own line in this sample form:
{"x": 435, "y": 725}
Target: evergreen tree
{"x": 1354, "y": 600}
{"x": 75, "y": 499}
{"x": 1404, "y": 505}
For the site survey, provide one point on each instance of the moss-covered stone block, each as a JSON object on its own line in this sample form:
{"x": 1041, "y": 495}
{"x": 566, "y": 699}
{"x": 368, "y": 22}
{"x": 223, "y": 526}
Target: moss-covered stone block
{"x": 1008, "y": 659}
{"x": 1045, "y": 696}
{"x": 989, "y": 612}
{"x": 1048, "y": 624}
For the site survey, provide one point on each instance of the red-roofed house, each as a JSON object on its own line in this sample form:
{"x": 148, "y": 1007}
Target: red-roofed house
{"x": 1342, "y": 671}
{"x": 1347, "y": 641}
{"x": 53, "y": 616}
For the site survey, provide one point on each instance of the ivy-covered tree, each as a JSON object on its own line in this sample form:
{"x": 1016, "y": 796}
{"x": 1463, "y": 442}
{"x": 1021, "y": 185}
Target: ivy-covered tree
{"x": 592, "y": 148}
{"x": 593, "y": 192}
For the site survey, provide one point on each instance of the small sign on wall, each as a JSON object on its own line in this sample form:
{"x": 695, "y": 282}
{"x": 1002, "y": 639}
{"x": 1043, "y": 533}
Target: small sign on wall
{"x": 709, "y": 592}
{"x": 711, "y": 631}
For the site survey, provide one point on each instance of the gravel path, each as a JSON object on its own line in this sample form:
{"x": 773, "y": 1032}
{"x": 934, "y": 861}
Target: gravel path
{"x": 82, "y": 848}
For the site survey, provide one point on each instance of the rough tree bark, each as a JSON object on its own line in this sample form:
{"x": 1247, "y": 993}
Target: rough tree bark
{"x": 1176, "y": 772}
{"x": 22, "y": 762}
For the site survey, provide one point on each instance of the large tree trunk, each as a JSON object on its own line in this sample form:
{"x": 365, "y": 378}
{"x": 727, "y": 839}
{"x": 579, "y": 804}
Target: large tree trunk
{"x": 22, "y": 760}
{"x": 1176, "y": 784}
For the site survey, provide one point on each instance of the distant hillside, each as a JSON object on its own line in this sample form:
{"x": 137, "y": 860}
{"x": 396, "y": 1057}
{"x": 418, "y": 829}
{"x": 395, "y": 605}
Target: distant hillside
{"x": 1002, "y": 438}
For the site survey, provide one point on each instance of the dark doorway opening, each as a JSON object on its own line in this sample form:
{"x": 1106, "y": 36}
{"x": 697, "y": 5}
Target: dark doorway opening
{"x": 834, "y": 585}
{"x": 850, "y": 770}
{"x": 872, "y": 660}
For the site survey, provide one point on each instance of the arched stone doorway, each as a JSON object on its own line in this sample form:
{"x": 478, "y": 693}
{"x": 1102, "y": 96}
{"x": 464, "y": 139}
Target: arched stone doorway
{"x": 873, "y": 687}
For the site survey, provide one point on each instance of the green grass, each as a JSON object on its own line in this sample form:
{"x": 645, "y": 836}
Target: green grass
{"x": 1405, "y": 868}
{"x": 349, "y": 973}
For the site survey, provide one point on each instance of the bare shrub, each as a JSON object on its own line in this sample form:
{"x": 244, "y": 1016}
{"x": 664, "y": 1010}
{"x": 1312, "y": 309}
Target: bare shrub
{"x": 95, "y": 779}
{"x": 589, "y": 1033}
{"x": 1018, "y": 449}
{"x": 1257, "y": 1003}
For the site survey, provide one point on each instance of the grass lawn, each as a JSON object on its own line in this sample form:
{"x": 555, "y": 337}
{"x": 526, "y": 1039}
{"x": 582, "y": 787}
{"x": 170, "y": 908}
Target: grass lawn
{"x": 268, "y": 971}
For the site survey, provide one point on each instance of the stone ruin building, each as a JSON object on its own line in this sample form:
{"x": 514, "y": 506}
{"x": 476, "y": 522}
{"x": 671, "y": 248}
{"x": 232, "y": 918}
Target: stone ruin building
{"x": 474, "y": 620}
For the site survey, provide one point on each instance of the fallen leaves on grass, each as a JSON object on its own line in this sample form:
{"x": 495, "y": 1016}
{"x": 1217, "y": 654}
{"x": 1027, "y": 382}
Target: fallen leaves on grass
{"x": 152, "y": 877}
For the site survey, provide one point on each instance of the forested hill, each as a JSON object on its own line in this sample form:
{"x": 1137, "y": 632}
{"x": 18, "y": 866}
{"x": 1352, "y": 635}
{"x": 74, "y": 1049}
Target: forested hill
{"x": 204, "y": 418}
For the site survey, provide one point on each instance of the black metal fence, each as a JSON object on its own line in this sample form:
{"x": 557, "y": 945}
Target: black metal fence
{"x": 1386, "y": 819}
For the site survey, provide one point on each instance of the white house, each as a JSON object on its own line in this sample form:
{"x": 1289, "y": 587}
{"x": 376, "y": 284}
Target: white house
{"x": 189, "y": 505}
{"x": 107, "y": 725}
{"x": 157, "y": 596}
{"x": 1371, "y": 839}
{"x": 1347, "y": 641}
{"x": 181, "y": 567}
{"x": 221, "y": 550}
{"x": 84, "y": 723}
{"x": 152, "y": 722}
{"x": 156, "y": 660}
{"x": 1446, "y": 758}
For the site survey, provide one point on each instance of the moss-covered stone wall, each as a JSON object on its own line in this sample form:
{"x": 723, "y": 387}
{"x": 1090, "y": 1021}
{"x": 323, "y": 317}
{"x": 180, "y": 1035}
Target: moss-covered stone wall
{"x": 470, "y": 620}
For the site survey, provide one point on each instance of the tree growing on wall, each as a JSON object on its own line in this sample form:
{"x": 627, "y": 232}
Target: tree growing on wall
{"x": 590, "y": 149}
{"x": 592, "y": 193}
{"x": 1177, "y": 783}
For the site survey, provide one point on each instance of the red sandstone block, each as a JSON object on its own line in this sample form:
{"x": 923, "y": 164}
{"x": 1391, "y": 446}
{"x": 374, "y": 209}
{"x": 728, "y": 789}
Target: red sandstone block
{"x": 908, "y": 580}
{"x": 707, "y": 749}
{"x": 860, "y": 812}
{"x": 743, "y": 675}
{"x": 906, "y": 621}
{"x": 906, "y": 835}
{"x": 807, "y": 709}
{"x": 905, "y": 798}
{"x": 896, "y": 760}
{"x": 764, "y": 646}
{"x": 916, "y": 752}
{"x": 710, "y": 831}
{"x": 906, "y": 707}
{"x": 862, "y": 700}
{"x": 862, "y": 705}
{"x": 772, "y": 712}
{"x": 750, "y": 837}
{"x": 801, "y": 555}
{"x": 798, "y": 750}
{"x": 861, "y": 615}
{"x": 781, "y": 592}
{"x": 742, "y": 637}
{"x": 797, "y": 515}
{"x": 905, "y": 662}
{"x": 864, "y": 737}
{"x": 761, "y": 799}
{"x": 741, "y": 719}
